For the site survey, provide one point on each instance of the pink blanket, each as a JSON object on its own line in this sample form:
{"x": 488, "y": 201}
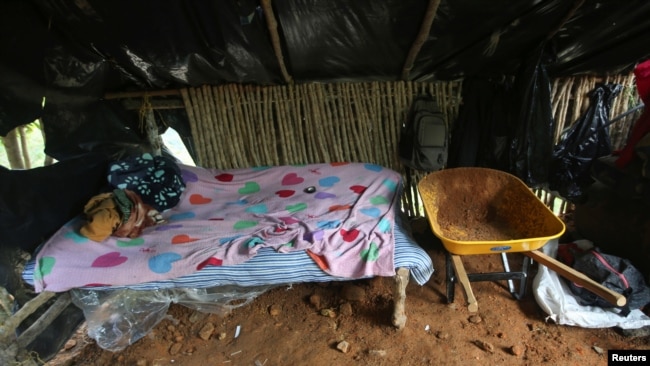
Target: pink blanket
{"x": 342, "y": 213}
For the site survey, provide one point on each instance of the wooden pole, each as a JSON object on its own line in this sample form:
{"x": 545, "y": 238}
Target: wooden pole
{"x": 44, "y": 321}
{"x": 577, "y": 277}
{"x": 8, "y": 328}
{"x": 461, "y": 275}
{"x": 149, "y": 120}
{"x": 133, "y": 104}
{"x": 142, "y": 93}
{"x": 576, "y": 5}
{"x": 275, "y": 38}
{"x": 425, "y": 28}
{"x": 399, "y": 297}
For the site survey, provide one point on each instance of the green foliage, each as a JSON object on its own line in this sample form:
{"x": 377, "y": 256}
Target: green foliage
{"x": 35, "y": 145}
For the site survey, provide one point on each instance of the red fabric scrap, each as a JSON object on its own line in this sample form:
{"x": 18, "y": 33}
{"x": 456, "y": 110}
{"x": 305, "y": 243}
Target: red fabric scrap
{"x": 642, "y": 125}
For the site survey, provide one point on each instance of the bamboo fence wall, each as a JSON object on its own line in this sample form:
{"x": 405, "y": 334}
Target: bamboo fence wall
{"x": 238, "y": 126}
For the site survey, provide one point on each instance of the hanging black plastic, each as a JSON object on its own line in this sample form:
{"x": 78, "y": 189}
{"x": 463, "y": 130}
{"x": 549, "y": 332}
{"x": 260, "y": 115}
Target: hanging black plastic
{"x": 36, "y": 202}
{"x": 581, "y": 143}
{"x": 532, "y": 122}
{"x": 480, "y": 135}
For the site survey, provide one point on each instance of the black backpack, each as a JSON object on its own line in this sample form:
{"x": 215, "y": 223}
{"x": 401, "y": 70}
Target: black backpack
{"x": 615, "y": 273}
{"x": 424, "y": 137}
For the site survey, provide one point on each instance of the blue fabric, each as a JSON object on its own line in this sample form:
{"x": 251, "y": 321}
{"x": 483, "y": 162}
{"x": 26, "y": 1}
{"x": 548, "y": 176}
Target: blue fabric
{"x": 157, "y": 179}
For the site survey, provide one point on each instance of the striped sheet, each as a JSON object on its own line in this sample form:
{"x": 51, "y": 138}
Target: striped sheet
{"x": 269, "y": 267}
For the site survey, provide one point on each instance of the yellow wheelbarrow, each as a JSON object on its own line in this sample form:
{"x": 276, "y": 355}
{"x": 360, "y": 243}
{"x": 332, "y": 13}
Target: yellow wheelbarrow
{"x": 475, "y": 211}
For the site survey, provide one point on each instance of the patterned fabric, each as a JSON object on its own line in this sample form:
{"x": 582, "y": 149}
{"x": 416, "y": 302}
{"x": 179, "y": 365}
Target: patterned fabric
{"x": 344, "y": 213}
{"x": 157, "y": 179}
{"x": 269, "y": 267}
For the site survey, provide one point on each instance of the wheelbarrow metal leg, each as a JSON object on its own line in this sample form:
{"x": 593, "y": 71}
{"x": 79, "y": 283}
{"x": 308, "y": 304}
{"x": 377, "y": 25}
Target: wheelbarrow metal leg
{"x": 450, "y": 278}
{"x": 522, "y": 276}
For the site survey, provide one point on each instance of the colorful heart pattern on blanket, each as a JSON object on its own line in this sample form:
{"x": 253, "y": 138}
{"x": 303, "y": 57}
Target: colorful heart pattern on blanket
{"x": 197, "y": 199}
{"x": 183, "y": 239}
{"x": 291, "y": 179}
{"x": 111, "y": 259}
{"x": 343, "y": 213}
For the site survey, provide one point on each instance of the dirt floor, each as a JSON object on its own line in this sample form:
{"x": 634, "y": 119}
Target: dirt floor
{"x": 287, "y": 326}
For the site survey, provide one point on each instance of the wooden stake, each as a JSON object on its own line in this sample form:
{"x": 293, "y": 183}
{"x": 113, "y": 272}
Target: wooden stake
{"x": 461, "y": 275}
{"x": 399, "y": 297}
{"x": 577, "y": 277}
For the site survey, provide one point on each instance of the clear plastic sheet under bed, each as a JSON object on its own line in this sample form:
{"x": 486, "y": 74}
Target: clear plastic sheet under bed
{"x": 118, "y": 316}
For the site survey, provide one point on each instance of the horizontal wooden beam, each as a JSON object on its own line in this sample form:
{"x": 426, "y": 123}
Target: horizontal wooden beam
{"x": 142, "y": 94}
{"x": 135, "y": 104}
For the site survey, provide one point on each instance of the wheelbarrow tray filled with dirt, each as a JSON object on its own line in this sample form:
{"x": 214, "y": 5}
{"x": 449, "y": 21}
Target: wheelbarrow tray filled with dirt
{"x": 484, "y": 211}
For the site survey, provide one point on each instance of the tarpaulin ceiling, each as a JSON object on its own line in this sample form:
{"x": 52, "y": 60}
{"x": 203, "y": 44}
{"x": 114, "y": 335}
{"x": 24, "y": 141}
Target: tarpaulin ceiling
{"x": 73, "y": 52}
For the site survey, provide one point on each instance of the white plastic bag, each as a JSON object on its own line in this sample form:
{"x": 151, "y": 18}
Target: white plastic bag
{"x": 556, "y": 299}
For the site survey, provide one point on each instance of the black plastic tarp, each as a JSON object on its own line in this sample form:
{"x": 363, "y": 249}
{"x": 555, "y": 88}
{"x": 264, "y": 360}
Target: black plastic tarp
{"x": 73, "y": 52}
{"x": 473, "y": 39}
{"x": 348, "y": 40}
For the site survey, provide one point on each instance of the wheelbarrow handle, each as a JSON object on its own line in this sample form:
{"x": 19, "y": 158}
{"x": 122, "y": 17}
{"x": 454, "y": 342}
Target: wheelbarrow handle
{"x": 577, "y": 277}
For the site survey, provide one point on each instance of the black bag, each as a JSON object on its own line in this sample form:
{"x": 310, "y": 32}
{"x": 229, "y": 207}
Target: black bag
{"x": 615, "y": 273}
{"x": 582, "y": 143}
{"x": 424, "y": 137}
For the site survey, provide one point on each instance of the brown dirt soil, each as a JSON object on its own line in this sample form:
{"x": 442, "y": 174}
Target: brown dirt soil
{"x": 480, "y": 204}
{"x": 285, "y": 326}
